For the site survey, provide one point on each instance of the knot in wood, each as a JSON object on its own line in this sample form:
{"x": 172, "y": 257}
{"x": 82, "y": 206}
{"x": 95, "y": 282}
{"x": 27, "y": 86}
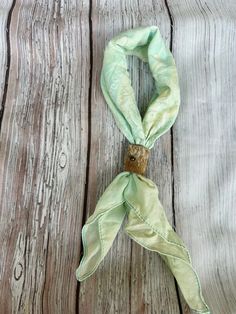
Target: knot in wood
{"x": 136, "y": 159}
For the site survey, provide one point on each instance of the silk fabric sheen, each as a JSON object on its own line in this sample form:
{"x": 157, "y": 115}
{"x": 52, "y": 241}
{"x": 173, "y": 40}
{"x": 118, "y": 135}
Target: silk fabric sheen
{"x": 132, "y": 194}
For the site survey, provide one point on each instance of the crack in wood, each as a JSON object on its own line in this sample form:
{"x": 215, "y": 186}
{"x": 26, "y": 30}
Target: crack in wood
{"x": 172, "y": 156}
{"x": 8, "y": 62}
{"x": 88, "y": 143}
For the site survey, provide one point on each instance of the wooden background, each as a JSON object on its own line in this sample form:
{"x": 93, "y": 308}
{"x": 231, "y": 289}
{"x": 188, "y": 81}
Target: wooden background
{"x": 60, "y": 148}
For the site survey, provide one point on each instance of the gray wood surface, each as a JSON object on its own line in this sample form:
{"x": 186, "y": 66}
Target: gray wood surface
{"x": 43, "y": 156}
{"x": 204, "y": 149}
{"x": 60, "y": 148}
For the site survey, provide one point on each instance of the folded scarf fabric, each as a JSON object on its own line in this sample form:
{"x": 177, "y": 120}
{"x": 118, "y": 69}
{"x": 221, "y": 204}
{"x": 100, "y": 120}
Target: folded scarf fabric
{"x": 130, "y": 193}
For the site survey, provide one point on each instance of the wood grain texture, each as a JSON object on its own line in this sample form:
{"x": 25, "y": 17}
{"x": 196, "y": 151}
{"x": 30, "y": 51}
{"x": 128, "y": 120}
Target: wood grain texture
{"x": 60, "y": 148}
{"x": 205, "y": 144}
{"x": 130, "y": 280}
{"x": 43, "y": 156}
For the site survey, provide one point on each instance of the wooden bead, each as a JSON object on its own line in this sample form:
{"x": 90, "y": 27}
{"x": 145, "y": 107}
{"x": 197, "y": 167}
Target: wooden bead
{"x": 136, "y": 159}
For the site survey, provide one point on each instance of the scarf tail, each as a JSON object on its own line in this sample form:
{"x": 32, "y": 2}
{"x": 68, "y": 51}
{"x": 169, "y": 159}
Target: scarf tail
{"x": 102, "y": 227}
{"x": 148, "y": 225}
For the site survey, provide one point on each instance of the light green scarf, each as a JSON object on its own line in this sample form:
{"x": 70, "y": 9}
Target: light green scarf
{"x": 132, "y": 194}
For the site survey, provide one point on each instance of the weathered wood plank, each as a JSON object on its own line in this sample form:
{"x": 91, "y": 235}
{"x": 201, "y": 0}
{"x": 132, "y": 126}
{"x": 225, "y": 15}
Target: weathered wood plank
{"x": 130, "y": 280}
{"x": 43, "y": 156}
{"x": 205, "y": 145}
